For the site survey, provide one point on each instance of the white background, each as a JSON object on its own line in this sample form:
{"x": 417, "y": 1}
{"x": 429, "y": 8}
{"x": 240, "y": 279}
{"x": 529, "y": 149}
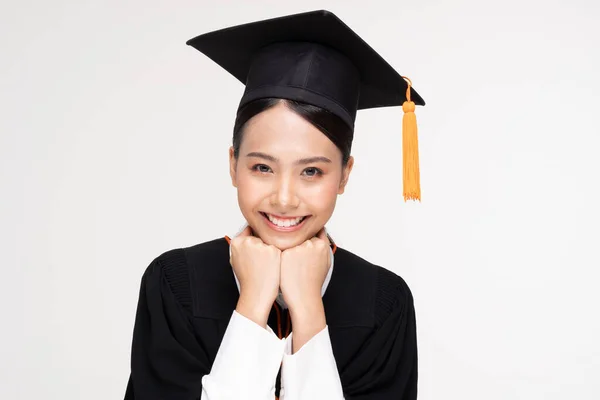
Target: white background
{"x": 113, "y": 149}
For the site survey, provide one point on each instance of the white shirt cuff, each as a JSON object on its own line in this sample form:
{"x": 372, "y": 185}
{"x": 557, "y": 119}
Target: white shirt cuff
{"x": 310, "y": 373}
{"x": 246, "y": 363}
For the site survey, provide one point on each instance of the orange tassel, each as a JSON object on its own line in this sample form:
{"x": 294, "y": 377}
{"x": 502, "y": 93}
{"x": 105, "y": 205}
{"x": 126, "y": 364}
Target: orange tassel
{"x": 410, "y": 150}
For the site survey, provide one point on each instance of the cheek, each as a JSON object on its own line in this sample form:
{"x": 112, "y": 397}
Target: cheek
{"x": 250, "y": 190}
{"x": 323, "y": 196}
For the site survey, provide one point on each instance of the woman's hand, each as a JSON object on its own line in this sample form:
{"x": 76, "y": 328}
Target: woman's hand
{"x": 257, "y": 267}
{"x": 303, "y": 271}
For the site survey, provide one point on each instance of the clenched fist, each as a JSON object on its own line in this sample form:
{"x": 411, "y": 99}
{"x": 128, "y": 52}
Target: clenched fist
{"x": 257, "y": 267}
{"x": 303, "y": 270}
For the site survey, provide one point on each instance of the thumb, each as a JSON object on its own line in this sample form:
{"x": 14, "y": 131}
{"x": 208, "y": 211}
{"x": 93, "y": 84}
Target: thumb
{"x": 246, "y": 232}
{"x": 323, "y": 235}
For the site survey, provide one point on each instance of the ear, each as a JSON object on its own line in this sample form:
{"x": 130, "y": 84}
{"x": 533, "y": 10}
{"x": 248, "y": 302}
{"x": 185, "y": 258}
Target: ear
{"x": 232, "y": 167}
{"x": 346, "y": 175}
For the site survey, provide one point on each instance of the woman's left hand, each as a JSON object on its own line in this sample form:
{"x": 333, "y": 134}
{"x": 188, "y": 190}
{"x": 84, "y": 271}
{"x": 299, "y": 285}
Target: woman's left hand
{"x": 303, "y": 271}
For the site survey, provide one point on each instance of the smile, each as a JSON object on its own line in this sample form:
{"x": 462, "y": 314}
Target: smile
{"x": 284, "y": 224}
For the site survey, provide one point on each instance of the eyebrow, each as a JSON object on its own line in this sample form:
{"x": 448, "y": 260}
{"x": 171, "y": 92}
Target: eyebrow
{"x": 302, "y": 161}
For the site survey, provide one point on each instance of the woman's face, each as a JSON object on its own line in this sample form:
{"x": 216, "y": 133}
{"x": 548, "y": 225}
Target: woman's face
{"x": 288, "y": 175}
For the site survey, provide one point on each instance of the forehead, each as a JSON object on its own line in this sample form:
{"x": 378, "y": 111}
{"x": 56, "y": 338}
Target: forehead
{"x": 280, "y": 131}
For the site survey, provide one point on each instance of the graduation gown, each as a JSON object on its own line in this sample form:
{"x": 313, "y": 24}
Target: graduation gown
{"x": 187, "y": 299}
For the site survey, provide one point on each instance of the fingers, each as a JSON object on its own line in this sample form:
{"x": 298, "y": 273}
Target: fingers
{"x": 246, "y": 238}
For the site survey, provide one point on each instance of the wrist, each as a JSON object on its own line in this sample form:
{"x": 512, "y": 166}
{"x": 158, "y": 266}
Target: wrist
{"x": 302, "y": 300}
{"x": 307, "y": 321}
{"x": 308, "y": 312}
{"x": 253, "y": 309}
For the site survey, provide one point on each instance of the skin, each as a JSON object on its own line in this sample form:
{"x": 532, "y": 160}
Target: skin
{"x": 286, "y": 167}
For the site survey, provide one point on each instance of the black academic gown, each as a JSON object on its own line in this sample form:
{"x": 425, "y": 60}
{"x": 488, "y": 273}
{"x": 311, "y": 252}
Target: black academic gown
{"x": 188, "y": 295}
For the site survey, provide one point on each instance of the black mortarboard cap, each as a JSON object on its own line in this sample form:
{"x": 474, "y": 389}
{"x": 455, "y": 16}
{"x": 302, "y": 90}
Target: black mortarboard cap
{"x": 311, "y": 57}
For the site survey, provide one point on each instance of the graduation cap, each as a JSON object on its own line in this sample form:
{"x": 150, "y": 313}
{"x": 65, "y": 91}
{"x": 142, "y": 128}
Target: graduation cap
{"x": 315, "y": 58}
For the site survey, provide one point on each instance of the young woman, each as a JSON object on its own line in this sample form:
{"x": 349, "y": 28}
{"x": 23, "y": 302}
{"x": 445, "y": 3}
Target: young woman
{"x": 265, "y": 313}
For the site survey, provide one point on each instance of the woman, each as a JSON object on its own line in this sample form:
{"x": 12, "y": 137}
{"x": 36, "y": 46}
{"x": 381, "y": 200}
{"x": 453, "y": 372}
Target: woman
{"x": 266, "y": 313}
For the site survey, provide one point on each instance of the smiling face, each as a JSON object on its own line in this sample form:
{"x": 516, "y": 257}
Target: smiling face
{"x": 288, "y": 175}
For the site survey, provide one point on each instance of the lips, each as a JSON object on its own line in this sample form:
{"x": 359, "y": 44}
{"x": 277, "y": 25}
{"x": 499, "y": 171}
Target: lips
{"x": 290, "y": 222}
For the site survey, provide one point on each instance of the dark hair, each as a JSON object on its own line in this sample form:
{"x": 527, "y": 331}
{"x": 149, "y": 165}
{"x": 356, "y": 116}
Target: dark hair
{"x": 330, "y": 124}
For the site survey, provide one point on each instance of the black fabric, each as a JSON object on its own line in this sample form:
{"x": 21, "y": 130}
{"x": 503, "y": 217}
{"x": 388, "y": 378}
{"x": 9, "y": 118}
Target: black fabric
{"x": 369, "y": 312}
{"x": 312, "y": 57}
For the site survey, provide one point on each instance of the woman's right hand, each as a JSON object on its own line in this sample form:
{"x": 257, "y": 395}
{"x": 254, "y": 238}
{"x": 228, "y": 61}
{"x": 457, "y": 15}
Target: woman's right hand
{"x": 257, "y": 267}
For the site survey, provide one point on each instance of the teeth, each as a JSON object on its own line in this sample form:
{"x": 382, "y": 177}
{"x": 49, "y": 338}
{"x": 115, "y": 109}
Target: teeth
{"x": 284, "y": 223}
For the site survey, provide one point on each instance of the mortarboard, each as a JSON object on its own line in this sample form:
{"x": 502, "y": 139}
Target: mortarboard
{"x": 316, "y": 58}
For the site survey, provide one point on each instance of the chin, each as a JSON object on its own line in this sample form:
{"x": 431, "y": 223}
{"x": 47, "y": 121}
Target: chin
{"x": 287, "y": 244}
{"x": 282, "y": 242}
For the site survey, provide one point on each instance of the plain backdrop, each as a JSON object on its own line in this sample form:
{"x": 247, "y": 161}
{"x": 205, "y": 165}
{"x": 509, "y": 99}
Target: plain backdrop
{"x": 113, "y": 149}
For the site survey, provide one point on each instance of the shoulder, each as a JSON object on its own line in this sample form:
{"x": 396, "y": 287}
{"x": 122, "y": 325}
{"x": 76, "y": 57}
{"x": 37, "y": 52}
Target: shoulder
{"x": 389, "y": 290}
{"x": 176, "y": 267}
{"x": 381, "y": 275}
{"x": 210, "y": 252}
{"x": 175, "y": 260}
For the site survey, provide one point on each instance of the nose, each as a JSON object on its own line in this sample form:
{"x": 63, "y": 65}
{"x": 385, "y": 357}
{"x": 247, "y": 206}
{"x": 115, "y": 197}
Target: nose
{"x": 284, "y": 194}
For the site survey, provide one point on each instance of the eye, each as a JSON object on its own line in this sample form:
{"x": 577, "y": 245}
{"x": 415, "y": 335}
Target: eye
{"x": 312, "y": 171}
{"x": 262, "y": 168}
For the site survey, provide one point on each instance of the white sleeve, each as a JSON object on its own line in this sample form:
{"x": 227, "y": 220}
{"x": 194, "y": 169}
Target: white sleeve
{"x": 246, "y": 364}
{"x": 311, "y": 373}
